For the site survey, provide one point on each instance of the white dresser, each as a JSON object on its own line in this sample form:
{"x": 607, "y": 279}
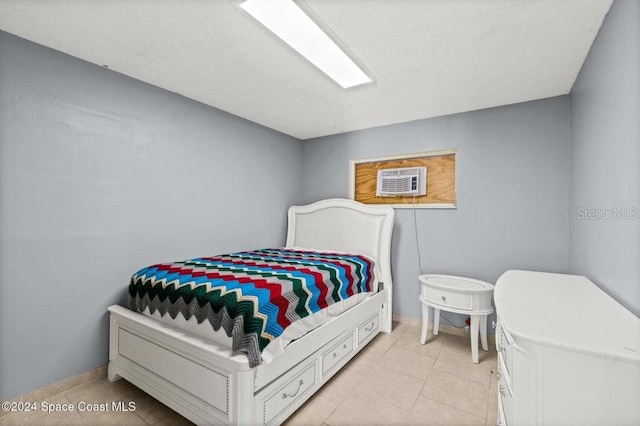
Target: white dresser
{"x": 568, "y": 354}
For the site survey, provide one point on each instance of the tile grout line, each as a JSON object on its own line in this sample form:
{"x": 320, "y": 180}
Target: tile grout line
{"x": 487, "y": 404}
{"x": 42, "y": 393}
{"x": 420, "y": 394}
{"x": 376, "y": 365}
{"x": 455, "y": 408}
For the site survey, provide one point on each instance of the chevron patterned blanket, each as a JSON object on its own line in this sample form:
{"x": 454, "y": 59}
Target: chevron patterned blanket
{"x": 253, "y": 295}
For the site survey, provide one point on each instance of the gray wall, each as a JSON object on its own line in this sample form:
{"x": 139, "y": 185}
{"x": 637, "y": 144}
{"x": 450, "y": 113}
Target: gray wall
{"x": 512, "y": 186}
{"x": 101, "y": 175}
{"x": 605, "y": 158}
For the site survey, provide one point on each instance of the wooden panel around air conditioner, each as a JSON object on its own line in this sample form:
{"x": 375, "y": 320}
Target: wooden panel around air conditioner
{"x": 441, "y": 179}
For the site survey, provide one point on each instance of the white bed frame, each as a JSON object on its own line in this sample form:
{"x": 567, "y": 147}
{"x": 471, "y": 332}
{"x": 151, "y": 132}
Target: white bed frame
{"x": 209, "y": 384}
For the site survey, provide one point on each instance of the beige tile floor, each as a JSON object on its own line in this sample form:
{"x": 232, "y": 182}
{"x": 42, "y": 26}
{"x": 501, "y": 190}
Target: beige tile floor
{"x": 394, "y": 380}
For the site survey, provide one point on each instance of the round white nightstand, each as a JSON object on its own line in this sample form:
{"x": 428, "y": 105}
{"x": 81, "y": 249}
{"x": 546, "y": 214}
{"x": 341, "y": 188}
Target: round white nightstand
{"x": 461, "y": 296}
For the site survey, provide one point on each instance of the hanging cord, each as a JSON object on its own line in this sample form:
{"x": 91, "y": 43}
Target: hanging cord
{"x": 442, "y": 317}
{"x": 415, "y": 228}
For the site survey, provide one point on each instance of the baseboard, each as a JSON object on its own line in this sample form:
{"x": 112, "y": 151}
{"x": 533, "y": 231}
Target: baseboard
{"x": 417, "y": 322}
{"x": 444, "y": 328}
{"x": 63, "y": 385}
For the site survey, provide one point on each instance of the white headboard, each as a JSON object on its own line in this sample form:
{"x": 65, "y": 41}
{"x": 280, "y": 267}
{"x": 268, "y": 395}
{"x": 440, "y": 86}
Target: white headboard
{"x": 345, "y": 225}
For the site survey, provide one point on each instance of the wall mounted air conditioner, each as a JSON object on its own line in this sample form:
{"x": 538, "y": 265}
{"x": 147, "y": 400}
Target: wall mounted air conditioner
{"x": 404, "y": 181}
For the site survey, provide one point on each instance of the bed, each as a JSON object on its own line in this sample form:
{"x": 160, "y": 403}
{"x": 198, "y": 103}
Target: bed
{"x": 209, "y": 383}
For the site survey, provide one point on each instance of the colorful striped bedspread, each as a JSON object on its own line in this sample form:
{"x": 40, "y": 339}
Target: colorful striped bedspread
{"x": 254, "y": 295}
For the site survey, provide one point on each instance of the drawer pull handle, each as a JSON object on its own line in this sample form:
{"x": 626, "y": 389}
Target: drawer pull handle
{"x": 370, "y": 327}
{"x": 344, "y": 346}
{"x": 334, "y": 355}
{"x": 444, "y": 299}
{"x": 285, "y": 395}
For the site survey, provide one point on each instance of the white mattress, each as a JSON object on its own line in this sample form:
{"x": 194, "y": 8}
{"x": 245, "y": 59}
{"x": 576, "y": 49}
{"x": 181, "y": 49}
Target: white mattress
{"x": 276, "y": 347}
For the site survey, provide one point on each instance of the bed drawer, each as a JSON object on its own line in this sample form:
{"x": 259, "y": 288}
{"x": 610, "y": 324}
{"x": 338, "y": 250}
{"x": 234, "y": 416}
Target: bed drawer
{"x": 368, "y": 329}
{"x": 288, "y": 394}
{"x": 185, "y": 374}
{"x": 337, "y": 353}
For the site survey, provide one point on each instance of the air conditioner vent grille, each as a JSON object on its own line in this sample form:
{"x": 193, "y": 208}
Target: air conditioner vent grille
{"x": 402, "y": 182}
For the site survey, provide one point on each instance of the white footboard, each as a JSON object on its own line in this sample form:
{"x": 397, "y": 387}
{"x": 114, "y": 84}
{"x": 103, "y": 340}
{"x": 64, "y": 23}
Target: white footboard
{"x": 209, "y": 384}
{"x": 193, "y": 377}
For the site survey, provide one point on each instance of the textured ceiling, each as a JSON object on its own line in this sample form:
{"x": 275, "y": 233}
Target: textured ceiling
{"x": 428, "y": 58}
